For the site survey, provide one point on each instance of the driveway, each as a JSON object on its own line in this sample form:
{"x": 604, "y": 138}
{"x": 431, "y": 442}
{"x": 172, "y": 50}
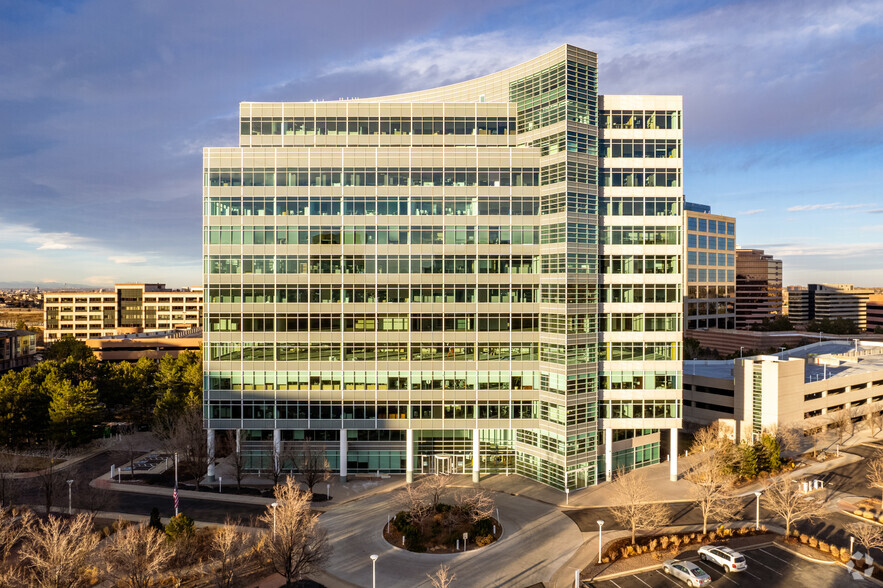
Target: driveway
{"x": 537, "y": 540}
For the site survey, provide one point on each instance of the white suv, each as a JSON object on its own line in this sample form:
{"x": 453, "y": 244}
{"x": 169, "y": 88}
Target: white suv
{"x": 725, "y": 557}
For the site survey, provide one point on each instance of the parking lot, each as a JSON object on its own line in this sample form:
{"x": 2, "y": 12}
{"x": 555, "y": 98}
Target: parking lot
{"x": 767, "y": 566}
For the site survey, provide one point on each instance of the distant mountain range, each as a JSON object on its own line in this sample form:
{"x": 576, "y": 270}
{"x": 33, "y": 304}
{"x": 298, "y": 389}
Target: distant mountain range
{"x": 50, "y": 286}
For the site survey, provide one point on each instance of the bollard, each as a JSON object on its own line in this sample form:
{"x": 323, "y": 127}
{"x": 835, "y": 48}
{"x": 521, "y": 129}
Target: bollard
{"x": 495, "y": 530}
{"x": 403, "y": 540}
{"x": 458, "y": 545}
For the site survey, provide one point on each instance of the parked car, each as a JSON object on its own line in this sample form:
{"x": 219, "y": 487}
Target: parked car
{"x": 728, "y": 559}
{"x": 687, "y": 571}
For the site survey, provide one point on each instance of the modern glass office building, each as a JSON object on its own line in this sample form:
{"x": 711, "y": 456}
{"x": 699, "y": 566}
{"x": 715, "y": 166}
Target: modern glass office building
{"x": 483, "y": 277}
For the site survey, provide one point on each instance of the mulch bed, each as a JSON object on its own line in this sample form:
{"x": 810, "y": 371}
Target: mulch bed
{"x": 395, "y": 538}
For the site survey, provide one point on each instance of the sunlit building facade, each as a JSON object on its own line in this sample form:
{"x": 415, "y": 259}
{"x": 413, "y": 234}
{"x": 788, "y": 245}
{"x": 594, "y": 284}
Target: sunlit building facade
{"x": 451, "y": 280}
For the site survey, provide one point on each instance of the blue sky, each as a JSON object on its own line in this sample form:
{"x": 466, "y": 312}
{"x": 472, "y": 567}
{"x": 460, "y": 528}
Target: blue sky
{"x": 105, "y": 107}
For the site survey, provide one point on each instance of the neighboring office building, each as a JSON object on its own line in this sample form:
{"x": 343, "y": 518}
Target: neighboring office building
{"x": 18, "y": 349}
{"x": 710, "y": 298}
{"x": 413, "y": 280}
{"x": 832, "y": 301}
{"x": 875, "y": 314}
{"x": 799, "y": 387}
{"x": 129, "y": 308}
{"x": 758, "y": 287}
{"x": 133, "y": 346}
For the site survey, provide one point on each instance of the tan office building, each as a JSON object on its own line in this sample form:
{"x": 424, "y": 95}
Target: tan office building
{"x": 483, "y": 277}
{"x": 758, "y": 287}
{"x": 710, "y": 299}
{"x": 130, "y": 308}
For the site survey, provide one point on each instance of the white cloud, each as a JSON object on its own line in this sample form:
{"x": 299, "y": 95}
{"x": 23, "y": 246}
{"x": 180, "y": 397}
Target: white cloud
{"x": 127, "y": 259}
{"x": 99, "y": 280}
{"x": 827, "y": 206}
{"x": 750, "y": 212}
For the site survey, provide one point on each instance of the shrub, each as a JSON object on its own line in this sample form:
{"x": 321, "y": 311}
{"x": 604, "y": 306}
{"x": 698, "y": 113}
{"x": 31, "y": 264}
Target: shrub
{"x": 606, "y": 560}
{"x": 483, "y": 527}
{"x": 483, "y": 540}
{"x": 813, "y": 542}
{"x": 869, "y": 515}
{"x": 824, "y": 547}
{"x": 835, "y": 551}
{"x": 712, "y": 536}
{"x": 630, "y": 550}
{"x": 702, "y": 538}
{"x": 155, "y": 522}
{"x": 179, "y": 526}
{"x": 624, "y": 551}
{"x": 804, "y": 538}
{"x": 725, "y": 532}
{"x": 858, "y": 512}
{"x": 880, "y": 518}
{"x": 844, "y": 555}
{"x": 653, "y": 544}
{"x": 663, "y": 542}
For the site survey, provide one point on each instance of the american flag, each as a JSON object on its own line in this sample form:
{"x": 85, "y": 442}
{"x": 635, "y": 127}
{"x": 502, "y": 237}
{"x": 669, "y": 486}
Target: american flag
{"x": 175, "y": 495}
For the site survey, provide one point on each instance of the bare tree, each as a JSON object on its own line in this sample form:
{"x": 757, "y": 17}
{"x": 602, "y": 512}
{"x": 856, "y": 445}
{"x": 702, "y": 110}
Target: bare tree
{"x": 128, "y": 443}
{"x": 236, "y": 458}
{"x": 312, "y": 464}
{"x": 136, "y": 555}
{"x": 232, "y": 548}
{"x": 443, "y": 577}
{"x": 12, "y": 528}
{"x": 415, "y": 502}
{"x": 842, "y": 421}
{"x": 55, "y": 552}
{"x": 789, "y": 436}
{"x": 816, "y": 430}
{"x": 296, "y": 545}
{"x": 712, "y": 491}
{"x": 875, "y": 472}
{"x": 50, "y": 478}
{"x": 875, "y": 418}
{"x": 707, "y": 439}
{"x": 633, "y": 506}
{"x": 187, "y": 437}
{"x": 9, "y": 484}
{"x": 787, "y": 502}
{"x": 477, "y": 505}
{"x": 867, "y": 534}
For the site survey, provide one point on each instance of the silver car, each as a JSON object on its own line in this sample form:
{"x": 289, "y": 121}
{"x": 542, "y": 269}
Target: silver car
{"x": 729, "y": 559}
{"x": 687, "y": 571}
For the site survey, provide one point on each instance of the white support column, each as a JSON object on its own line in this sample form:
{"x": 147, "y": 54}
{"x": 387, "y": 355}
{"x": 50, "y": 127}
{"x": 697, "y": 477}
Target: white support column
{"x": 409, "y": 456}
{"x": 277, "y": 447}
{"x": 343, "y": 449}
{"x": 476, "y": 457}
{"x": 210, "y": 440}
{"x": 673, "y": 473}
{"x": 608, "y": 454}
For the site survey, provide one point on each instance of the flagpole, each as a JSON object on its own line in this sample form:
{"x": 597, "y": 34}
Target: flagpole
{"x": 176, "y": 484}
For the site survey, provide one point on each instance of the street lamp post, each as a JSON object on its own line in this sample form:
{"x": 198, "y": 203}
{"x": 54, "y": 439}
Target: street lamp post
{"x": 740, "y": 351}
{"x": 70, "y": 504}
{"x": 600, "y": 524}
{"x": 567, "y": 496}
{"x": 374, "y": 557}
{"x": 220, "y": 481}
{"x": 757, "y": 516}
{"x": 274, "y": 505}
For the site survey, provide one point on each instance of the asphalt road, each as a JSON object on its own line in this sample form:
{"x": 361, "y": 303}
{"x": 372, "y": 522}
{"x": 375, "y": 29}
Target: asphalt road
{"x": 94, "y": 499}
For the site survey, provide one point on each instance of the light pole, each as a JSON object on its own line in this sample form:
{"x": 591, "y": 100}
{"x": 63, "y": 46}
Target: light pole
{"x": 374, "y": 557}
{"x": 176, "y": 469}
{"x": 220, "y": 481}
{"x": 70, "y": 504}
{"x": 740, "y": 351}
{"x": 851, "y": 544}
{"x": 600, "y": 524}
{"x": 274, "y": 505}
{"x": 757, "y": 519}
